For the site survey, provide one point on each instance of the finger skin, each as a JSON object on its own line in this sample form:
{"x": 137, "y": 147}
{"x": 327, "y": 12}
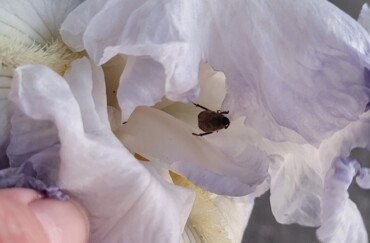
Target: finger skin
{"x": 18, "y": 223}
{"x": 27, "y": 217}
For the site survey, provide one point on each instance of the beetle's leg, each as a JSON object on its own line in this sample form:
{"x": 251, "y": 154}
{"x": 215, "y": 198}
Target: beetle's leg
{"x": 222, "y": 112}
{"x": 197, "y": 105}
{"x": 201, "y": 134}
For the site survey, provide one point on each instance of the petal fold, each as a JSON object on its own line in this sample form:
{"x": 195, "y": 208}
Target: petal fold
{"x": 124, "y": 199}
{"x": 341, "y": 219}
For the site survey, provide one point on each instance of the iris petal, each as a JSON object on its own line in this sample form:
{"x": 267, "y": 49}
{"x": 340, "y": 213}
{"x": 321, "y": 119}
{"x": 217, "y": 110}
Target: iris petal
{"x": 341, "y": 220}
{"x": 193, "y": 157}
{"x": 296, "y": 188}
{"x": 34, "y": 21}
{"x": 295, "y": 70}
{"x": 123, "y": 198}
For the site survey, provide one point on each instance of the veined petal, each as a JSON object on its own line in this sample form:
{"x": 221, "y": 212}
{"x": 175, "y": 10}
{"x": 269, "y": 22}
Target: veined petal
{"x": 123, "y": 198}
{"x": 341, "y": 220}
{"x": 34, "y": 21}
{"x": 295, "y": 70}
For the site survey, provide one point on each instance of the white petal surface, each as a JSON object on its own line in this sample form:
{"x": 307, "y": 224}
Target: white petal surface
{"x": 34, "y": 21}
{"x": 124, "y": 199}
{"x": 296, "y": 187}
{"x": 233, "y": 174}
{"x": 289, "y": 65}
{"x": 341, "y": 220}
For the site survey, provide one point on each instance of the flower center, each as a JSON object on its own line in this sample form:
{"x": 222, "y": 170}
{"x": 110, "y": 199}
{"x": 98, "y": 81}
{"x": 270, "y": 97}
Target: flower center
{"x": 54, "y": 54}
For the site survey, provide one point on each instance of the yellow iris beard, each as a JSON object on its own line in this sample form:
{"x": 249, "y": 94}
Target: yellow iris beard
{"x": 55, "y": 54}
{"x": 205, "y": 217}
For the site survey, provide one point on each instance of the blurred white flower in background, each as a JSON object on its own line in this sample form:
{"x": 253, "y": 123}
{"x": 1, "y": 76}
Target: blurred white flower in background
{"x": 294, "y": 77}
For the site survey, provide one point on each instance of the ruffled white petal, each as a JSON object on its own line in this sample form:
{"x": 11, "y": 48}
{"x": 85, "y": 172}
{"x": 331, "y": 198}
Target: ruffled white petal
{"x": 296, "y": 187}
{"x": 124, "y": 199}
{"x": 293, "y": 68}
{"x": 34, "y": 21}
{"x": 341, "y": 220}
{"x": 161, "y": 137}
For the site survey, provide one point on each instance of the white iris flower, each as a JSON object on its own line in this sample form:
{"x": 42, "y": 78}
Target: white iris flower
{"x": 294, "y": 76}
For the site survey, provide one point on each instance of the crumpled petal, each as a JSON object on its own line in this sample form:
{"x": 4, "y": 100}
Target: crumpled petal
{"x": 295, "y": 70}
{"x": 296, "y": 186}
{"x": 341, "y": 220}
{"x": 363, "y": 179}
{"x": 26, "y": 177}
{"x": 164, "y": 139}
{"x": 123, "y": 199}
{"x": 355, "y": 135}
{"x": 34, "y": 21}
{"x": 23, "y": 148}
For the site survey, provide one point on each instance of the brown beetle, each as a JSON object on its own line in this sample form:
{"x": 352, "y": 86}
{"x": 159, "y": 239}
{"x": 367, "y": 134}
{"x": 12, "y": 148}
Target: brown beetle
{"x": 211, "y": 121}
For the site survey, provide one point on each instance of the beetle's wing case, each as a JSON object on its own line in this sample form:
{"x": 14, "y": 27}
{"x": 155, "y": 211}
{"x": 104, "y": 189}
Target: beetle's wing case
{"x": 206, "y": 121}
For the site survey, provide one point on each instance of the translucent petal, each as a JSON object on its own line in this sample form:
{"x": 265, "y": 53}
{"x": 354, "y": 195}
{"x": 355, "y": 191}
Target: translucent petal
{"x": 234, "y": 174}
{"x": 341, "y": 220}
{"x": 296, "y": 187}
{"x": 295, "y": 70}
{"x": 43, "y": 154}
{"x": 34, "y": 21}
{"x": 124, "y": 200}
